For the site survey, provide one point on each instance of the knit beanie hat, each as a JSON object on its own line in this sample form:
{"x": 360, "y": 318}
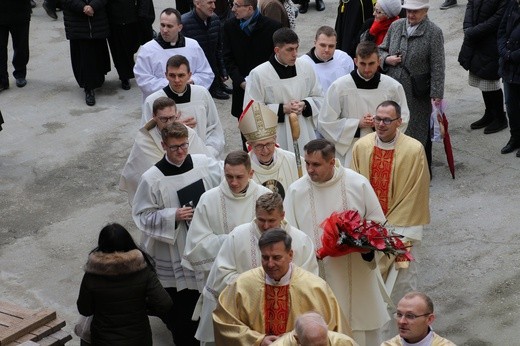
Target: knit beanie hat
{"x": 392, "y": 8}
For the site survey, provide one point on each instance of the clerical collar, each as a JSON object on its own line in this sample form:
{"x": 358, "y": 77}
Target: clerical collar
{"x": 168, "y": 168}
{"x": 284, "y": 281}
{"x": 183, "y": 97}
{"x": 427, "y": 341}
{"x": 181, "y": 42}
{"x": 362, "y": 83}
{"x": 268, "y": 165}
{"x": 387, "y": 145}
{"x": 312, "y": 54}
{"x": 283, "y": 71}
{"x": 241, "y": 193}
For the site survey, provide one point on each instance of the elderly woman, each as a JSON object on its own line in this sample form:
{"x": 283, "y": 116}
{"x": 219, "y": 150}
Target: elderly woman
{"x": 509, "y": 70}
{"x": 479, "y": 55}
{"x": 385, "y": 13}
{"x": 413, "y": 53}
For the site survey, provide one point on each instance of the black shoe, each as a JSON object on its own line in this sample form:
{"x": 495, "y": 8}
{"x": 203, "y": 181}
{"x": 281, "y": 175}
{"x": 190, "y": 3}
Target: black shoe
{"x": 90, "y": 97}
{"x": 4, "y": 87}
{"x": 219, "y": 95}
{"x": 482, "y": 122}
{"x": 496, "y": 126}
{"x": 226, "y": 89}
{"x": 304, "y": 7}
{"x": 320, "y": 5}
{"x": 51, "y": 12}
{"x": 125, "y": 84}
{"x": 33, "y": 4}
{"x": 448, "y": 4}
{"x": 21, "y": 82}
{"x": 511, "y": 146}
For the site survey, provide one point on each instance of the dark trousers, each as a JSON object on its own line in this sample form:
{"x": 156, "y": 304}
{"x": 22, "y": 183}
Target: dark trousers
{"x": 512, "y": 93}
{"x": 178, "y": 320}
{"x": 20, "y": 38}
{"x": 124, "y": 41}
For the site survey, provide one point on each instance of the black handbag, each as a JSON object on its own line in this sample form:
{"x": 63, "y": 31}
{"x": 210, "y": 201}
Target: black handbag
{"x": 421, "y": 83}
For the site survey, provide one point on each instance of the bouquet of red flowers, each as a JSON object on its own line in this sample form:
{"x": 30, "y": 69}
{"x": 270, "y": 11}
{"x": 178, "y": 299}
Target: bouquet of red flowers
{"x": 346, "y": 232}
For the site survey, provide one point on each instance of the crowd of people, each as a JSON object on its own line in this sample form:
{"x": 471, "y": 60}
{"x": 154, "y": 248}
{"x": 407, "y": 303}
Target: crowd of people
{"x": 228, "y": 245}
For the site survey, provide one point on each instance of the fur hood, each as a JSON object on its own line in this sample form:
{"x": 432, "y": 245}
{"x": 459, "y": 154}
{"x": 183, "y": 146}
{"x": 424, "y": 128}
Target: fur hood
{"x": 116, "y": 263}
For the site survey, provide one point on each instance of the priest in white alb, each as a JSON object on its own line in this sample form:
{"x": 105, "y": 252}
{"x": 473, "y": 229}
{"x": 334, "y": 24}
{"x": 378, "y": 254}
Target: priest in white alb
{"x": 221, "y": 209}
{"x": 195, "y": 106}
{"x": 273, "y": 167}
{"x": 287, "y": 84}
{"x": 354, "y": 278}
{"x": 263, "y": 303}
{"x": 147, "y": 148}
{"x": 351, "y": 102}
{"x": 239, "y": 253}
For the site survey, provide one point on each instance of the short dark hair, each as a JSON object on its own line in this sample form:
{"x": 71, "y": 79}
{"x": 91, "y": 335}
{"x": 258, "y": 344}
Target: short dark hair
{"x": 326, "y": 148}
{"x": 325, "y": 30}
{"x": 170, "y": 10}
{"x": 269, "y": 201}
{"x": 365, "y": 49}
{"x": 389, "y": 103}
{"x": 273, "y": 236}
{"x": 162, "y": 103}
{"x": 237, "y": 158}
{"x": 174, "y": 130}
{"x": 177, "y": 61}
{"x": 284, "y": 36}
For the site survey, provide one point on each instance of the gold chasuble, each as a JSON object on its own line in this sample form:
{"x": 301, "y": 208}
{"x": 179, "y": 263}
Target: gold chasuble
{"x": 276, "y": 309}
{"x": 381, "y": 173}
{"x": 249, "y": 309}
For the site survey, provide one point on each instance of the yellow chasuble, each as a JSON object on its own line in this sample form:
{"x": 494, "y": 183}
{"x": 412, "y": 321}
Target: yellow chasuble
{"x": 409, "y": 178}
{"x": 437, "y": 341}
{"x": 240, "y": 318}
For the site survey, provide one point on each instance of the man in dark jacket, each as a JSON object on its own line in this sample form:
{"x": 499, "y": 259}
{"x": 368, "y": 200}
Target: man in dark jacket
{"x": 203, "y": 25}
{"x": 248, "y": 42}
{"x": 15, "y": 16}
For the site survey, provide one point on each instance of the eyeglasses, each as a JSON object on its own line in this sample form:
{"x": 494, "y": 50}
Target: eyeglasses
{"x": 408, "y": 316}
{"x": 235, "y": 5}
{"x": 260, "y": 147}
{"x": 378, "y": 11}
{"x": 386, "y": 121}
{"x": 182, "y": 146}
{"x": 164, "y": 120}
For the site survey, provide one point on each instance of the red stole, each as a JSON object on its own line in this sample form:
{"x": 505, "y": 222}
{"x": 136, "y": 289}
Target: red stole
{"x": 381, "y": 171}
{"x": 276, "y": 309}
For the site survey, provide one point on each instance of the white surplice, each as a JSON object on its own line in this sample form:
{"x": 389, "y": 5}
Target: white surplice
{"x": 264, "y": 85}
{"x": 328, "y": 71}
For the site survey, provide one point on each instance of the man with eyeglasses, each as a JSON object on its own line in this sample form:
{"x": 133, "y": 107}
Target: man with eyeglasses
{"x": 287, "y": 85}
{"x": 414, "y": 317}
{"x": 272, "y": 166}
{"x": 346, "y": 114}
{"x": 147, "y": 148}
{"x": 248, "y": 42}
{"x": 152, "y": 56}
{"x": 396, "y": 166}
{"x": 221, "y": 209}
{"x": 195, "y": 106}
{"x": 163, "y": 207}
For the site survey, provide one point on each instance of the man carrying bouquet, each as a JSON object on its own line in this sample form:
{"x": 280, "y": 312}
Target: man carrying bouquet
{"x": 327, "y": 188}
{"x": 397, "y": 168}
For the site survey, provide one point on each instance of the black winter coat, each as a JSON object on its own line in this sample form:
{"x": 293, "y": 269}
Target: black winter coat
{"x": 479, "y": 52}
{"x": 80, "y": 26}
{"x": 243, "y": 53}
{"x": 14, "y": 11}
{"x": 509, "y": 44}
{"x": 119, "y": 289}
{"x": 130, "y": 11}
{"x": 209, "y": 38}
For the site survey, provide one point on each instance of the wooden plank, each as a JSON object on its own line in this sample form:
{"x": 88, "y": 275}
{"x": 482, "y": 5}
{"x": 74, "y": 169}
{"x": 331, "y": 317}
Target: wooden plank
{"x": 55, "y": 339}
{"x": 28, "y": 324}
{"x": 15, "y": 310}
{"x": 7, "y": 320}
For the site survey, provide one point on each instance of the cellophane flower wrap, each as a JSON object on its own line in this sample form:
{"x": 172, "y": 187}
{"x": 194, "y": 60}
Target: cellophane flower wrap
{"x": 347, "y": 232}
